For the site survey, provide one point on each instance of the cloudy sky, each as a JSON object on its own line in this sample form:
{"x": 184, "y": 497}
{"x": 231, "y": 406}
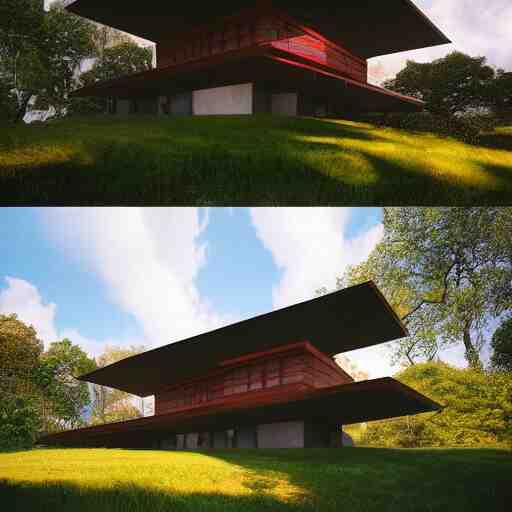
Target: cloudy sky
{"x": 476, "y": 27}
{"x": 153, "y": 276}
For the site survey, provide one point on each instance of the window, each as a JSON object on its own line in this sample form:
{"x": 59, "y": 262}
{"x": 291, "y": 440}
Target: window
{"x": 272, "y": 377}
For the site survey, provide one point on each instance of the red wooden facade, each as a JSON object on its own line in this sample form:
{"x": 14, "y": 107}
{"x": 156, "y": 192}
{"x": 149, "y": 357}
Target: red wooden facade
{"x": 297, "y": 366}
{"x": 256, "y": 29}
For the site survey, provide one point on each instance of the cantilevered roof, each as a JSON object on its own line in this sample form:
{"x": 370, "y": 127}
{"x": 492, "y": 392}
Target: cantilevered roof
{"x": 349, "y": 319}
{"x": 271, "y": 67}
{"x": 368, "y": 27}
{"x": 343, "y": 404}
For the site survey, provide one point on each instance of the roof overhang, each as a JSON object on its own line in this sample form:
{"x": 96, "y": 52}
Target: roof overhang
{"x": 344, "y": 404}
{"x": 368, "y": 27}
{"x": 349, "y": 319}
{"x": 267, "y": 65}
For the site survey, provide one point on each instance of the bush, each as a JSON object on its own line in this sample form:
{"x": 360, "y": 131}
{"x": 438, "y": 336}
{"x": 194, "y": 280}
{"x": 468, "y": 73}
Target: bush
{"x": 467, "y": 128}
{"x": 477, "y": 410}
{"x": 19, "y": 423}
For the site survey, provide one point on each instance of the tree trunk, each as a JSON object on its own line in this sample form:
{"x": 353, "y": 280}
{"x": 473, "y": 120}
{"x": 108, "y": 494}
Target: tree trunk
{"x": 472, "y": 355}
{"x": 22, "y": 110}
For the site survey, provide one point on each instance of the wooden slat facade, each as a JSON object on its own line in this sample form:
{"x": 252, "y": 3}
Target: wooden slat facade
{"x": 255, "y": 29}
{"x": 298, "y": 366}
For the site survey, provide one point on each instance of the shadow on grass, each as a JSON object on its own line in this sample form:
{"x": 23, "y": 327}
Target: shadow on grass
{"x": 259, "y": 161}
{"x": 58, "y": 497}
{"x": 354, "y": 479}
{"x": 375, "y": 480}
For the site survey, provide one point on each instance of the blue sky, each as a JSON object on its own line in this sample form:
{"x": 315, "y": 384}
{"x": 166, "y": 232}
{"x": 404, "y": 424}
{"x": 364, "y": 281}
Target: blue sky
{"x": 153, "y": 276}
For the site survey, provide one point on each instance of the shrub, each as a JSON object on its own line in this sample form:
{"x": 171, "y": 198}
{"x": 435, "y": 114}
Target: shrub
{"x": 467, "y": 128}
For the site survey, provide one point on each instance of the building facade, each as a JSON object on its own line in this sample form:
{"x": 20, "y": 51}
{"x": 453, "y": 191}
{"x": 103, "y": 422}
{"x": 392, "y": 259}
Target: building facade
{"x": 248, "y": 385}
{"x": 260, "y": 56}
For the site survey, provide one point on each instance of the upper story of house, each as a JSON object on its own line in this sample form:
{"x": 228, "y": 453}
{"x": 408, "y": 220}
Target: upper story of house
{"x": 287, "y": 351}
{"x": 257, "y": 376}
{"x": 336, "y": 37}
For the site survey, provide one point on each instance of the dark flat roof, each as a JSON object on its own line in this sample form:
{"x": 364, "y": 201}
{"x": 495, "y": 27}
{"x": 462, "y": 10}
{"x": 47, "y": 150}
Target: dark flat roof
{"x": 343, "y": 404}
{"x": 265, "y": 65}
{"x": 349, "y": 319}
{"x": 368, "y": 27}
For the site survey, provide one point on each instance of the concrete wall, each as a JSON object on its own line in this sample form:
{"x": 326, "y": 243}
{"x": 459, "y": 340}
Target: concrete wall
{"x": 281, "y": 435}
{"x": 229, "y": 100}
{"x": 181, "y": 104}
{"x": 123, "y": 107}
{"x": 284, "y": 104}
{"x": 219, "y": 440}
{"x": 246, "y": 437}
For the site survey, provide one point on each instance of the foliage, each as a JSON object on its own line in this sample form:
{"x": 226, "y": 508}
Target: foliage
{"x": 19, "y": 355}
{"x": 450, "y": 85}
{"x": 40, "y": 53}
{"x": 19, "y": 346}
{"x": 468, "y": 128}
{"x": 19, "y": 421}
{"x": 63, "y": 398}
{"x": 446, "y": 271}
{"x": 123, "y": 59}
{"x": 501, "y": 343}
{"x": 355, "y": 479}
{"x": 263, "y": 160}
{"x": 113, "y": 404}
{"x": 501, "y": 97}
{"x": 477, "y": 410}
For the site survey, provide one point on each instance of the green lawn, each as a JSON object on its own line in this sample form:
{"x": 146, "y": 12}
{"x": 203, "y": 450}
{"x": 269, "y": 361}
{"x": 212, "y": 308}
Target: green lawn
{"x": 247, "y": 160}
{"x": 348, "y": 479}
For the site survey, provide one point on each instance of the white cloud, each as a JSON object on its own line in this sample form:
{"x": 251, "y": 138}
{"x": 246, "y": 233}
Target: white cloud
{"x": 148, "y": 259}
{"x": 311, "y": 248}
{"x": 476, "y": 27}
{"x": 24, "y": 299}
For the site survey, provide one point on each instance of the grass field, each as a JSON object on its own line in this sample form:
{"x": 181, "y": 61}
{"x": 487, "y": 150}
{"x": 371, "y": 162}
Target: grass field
{"x": 350, "y": 479}
{"x": 257, "y": 160}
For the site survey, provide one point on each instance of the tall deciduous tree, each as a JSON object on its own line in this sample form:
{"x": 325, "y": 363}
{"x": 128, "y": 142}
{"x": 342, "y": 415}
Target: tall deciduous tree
{"x": 447, "y": 272}
{"x": 40, "y": 53}
{"x": 449, "y": 85}
{"x": 501, "y": 358}
{"x": 63, "y": 398}
{"x": 114, "y": 404}
{"x": 19, "y": 358}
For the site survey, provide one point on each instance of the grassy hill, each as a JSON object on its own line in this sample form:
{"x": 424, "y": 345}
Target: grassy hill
{"x": 247, "y": 160}
{"x": 352, "y": 479}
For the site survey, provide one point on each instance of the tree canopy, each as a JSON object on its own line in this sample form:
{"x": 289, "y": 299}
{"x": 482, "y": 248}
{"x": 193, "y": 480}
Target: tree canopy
{"x": 114, "y": 404}
{"x": 450, "y": 85}
{"x": 501, "y": 358}
{"x": 447, "y": 272}
{"x": 477, "y": 410}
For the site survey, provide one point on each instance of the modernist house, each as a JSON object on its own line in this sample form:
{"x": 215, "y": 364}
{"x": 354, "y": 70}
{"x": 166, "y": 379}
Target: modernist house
{"x": 267, "y": 382}
{"x": 261, "y": 56}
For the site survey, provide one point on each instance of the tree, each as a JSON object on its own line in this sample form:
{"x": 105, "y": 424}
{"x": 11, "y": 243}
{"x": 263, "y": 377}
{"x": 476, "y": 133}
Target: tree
{"x": 114, "y": 404}
{"x": 477, "y": 410}
{"x": 501, "y": 358}
{"x": 123, "y": 59}
{"x": 501, "y": 97}
{"x": 63, "y": 398}
{"x": 19, "y": 357}
{"x": 446, "y": 271}
{"x": 449, "y": 85}
{"x": 40, "y": 53}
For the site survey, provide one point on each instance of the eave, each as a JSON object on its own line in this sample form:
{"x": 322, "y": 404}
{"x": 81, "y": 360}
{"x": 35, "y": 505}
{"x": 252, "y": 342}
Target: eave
{"x": 368, "y": 27}
{"x": 264, "y": 64}
{"x": 344, "y": 404}
{"x": 333, "y": 323}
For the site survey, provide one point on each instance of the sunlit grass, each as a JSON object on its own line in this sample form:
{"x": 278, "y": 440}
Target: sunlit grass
{"x": 247, "y": 160}
{"x": 355, "y": 479}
